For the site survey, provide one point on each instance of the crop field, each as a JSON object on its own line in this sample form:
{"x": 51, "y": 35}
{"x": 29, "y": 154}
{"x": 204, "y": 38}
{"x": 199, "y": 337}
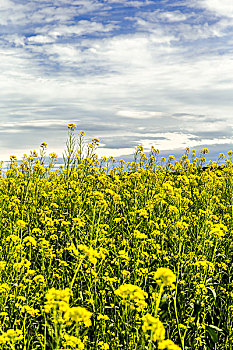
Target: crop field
{"x": 98, "y": 254}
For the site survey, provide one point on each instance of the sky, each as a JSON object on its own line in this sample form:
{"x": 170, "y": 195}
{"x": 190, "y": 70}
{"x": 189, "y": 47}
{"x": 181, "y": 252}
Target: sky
{"x": 130, "y": 72}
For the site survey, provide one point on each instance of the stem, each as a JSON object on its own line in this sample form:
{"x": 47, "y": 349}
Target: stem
{"x": 75, "y": 274}
{"x": 176, "y": 312}
{"x": 45, "y": 331}
{"x": 158, "y": 299}
{"x": 214, "y": 251}
{"x": 177, "y": 322}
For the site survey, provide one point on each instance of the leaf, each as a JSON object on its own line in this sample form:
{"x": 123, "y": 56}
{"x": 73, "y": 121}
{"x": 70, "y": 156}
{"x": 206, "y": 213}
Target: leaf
{"x": 213, "y": 332}
{"x": 215, "y": 327}
{"x": 213, "y": 292}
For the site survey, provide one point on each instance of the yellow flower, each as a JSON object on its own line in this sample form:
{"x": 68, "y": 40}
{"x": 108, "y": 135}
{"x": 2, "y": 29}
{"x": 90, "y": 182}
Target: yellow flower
{"x": 165, "y": 276}
{"x": 57, "y": 299}
{"x": 140, "y": 235}
{"x": 43, "y": 145}
{"x": 173, "y": 210}
{"x": 168, "y": 345}
{"x": 91, "y": 253}
{"x": 125, "y": 273}
{"x": 2, "y": 265}
{"x": 103, "y": 346}
{"x": 168, "y": 188}
{"x": 102, "y": 317}
{"x": 155, "y": 326}
{"x": 132, "y": 293}
{"x": 221, "y": 155}
{"x": 71, "y": 126}
{"x": 4, "y": 288}
{"x": 30, "y": 310}
{"x": 53, "y": 155}
{"x": 79, "y": 314}
{"x": 73, "y": 342}
{"x": 13, "y": 239}
{"x": 33, "y": 154}
{"x": 11, "y": 336}
{"x": 219, "y": 230}
{"x": 21, "y": 224}
{"x": 29, "y": 240}
{"x": 22, "y": 265}
{"x": 39, "y": 279}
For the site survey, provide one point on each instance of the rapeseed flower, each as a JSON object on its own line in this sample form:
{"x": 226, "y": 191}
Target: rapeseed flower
{"x": 132, "y": 293}
{"x": 21, "y": 224}
{"x": 72, "y": 126}
{"x": 154, "y": 326}
{"x": 57, "y": 299}
{"x": 165, "y": 276}
{"x": 11, "y": 336}
{"x": 168, "y": 345}
{"x": 73, "y": 342}
{"x": 78, "y": 314}
{"x": 103, "y": 346}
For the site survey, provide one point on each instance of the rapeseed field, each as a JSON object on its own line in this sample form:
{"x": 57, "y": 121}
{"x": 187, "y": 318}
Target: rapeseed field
{"x": 100, "y": 255}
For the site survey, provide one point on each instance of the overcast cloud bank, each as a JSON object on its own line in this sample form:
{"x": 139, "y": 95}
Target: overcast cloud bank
{"x": 137, "y": 72}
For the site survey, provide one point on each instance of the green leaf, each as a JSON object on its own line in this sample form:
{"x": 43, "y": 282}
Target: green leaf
{"x": 213, "y": 292}
{"x": 215, "y": 327}
{"x": 213, "y": 332}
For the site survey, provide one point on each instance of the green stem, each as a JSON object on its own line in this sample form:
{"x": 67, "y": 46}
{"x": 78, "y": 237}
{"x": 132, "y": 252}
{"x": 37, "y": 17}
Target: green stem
{"x": 178, "y": 325}
{"x": 158, "y": 299}
{"x": 176, "y": 312}
{"x": 45, "y": 332}
{"x": 75, "y": 274}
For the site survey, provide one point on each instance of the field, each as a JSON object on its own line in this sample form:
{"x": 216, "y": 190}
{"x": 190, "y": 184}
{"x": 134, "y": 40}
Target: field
{"x": 100, "y": 255}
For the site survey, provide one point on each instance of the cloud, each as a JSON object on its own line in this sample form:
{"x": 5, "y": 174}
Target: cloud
{"x": 40, "y": 39}
{"x": 139, "y": 114}
{"x": 82, "y": 28}
{"x": 142, "y": 72}
{"x": 169, "y": 16}
{"x": 218, "y": 7}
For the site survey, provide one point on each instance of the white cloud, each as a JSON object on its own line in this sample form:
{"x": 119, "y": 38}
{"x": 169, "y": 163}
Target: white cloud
{"x": 42, "y": 12}
{"x": 83, "y": 27}
{"x": 176, "y": 27}
{"x": 51, "y": 13}
{"x": 16, "y": 39}
{"x": 40, "y": 39}
{"x": 82, "y": 6}
{"x": 139, "y": 114}
{"x": 132, "y": 3}
{"x": 118, "y": 85}
{"x": 218, "y": 7}
{"x": 11, "y": 12}
{"x": 117, "y": 152}
{"x": 171, "y": 16}
{"x": 17, "y": 125}
{"x": 207, "y": 126}
{"x": 174, "y": 141}
{"x": 5, "y": 4}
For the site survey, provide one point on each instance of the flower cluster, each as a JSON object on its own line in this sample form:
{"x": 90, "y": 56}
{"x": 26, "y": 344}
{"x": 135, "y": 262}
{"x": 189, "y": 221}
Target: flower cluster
{"x": 132, "y": 294}
{"x": 165, "y": 276}
{"x": 155, "y": 326}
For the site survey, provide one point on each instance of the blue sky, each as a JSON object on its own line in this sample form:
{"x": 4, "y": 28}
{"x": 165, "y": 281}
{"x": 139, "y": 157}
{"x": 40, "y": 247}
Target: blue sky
{"x": 129, "y": 72}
